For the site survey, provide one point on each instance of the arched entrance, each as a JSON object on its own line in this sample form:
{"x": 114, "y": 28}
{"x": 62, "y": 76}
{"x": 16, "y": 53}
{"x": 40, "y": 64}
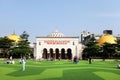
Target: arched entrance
{"x": 51, "y": 54}
{"x": 45, "y": 56}
{"x": 57, "y": 54}
{"x": 69, "y": 54}
{"x": 62, "y": 53}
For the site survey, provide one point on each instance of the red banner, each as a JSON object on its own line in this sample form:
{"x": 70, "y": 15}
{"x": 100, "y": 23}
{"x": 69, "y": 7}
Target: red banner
{"x": 56, "y": 41}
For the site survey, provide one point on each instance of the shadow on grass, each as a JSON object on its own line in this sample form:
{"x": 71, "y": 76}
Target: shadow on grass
{"x": 27, "y": 72}
{"x": 70, "y": 71}
{"x": 83, "y": 74}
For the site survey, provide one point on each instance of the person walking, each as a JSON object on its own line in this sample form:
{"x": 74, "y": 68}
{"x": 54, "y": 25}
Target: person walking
{"x": 23, "y": 64}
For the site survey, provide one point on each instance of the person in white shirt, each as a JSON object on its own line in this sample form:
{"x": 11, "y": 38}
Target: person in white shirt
{"x": 23, "y": 64}
{"x": 12, "y": 62}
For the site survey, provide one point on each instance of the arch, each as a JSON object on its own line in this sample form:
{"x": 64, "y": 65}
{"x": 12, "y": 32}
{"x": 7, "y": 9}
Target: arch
{"x": 57, "y": 53}
{"x": 51, "y": 55}
{"x": 69, "y": 53}
{"x": 45, "y": 56}
{"x": 62, "y": 53}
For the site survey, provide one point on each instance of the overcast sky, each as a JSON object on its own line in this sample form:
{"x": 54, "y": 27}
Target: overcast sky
{"x": 71, "y": 17}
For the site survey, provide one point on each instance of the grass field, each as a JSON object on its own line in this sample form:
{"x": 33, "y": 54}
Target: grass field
{"x": 60, "y": 70}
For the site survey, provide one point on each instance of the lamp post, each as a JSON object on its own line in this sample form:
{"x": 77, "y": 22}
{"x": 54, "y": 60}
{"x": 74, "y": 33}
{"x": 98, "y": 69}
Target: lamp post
{"x": 76, "y": 55}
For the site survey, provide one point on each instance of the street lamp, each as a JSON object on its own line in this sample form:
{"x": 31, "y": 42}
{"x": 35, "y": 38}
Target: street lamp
{"x": 76, "y": 55}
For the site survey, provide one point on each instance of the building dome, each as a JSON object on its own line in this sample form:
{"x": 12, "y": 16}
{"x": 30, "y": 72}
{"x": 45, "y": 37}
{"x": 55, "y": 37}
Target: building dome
{"x": 56, "y": 34}
{"x": 14, "y": 37}
{"x": 107, "y": 38}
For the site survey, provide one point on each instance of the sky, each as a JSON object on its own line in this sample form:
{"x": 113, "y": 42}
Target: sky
{"x": 71, "y": 17}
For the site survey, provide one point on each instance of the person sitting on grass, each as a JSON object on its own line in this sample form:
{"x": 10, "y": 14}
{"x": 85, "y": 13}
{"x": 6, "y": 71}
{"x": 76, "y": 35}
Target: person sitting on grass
{"x": 118, "y": 65}
{"x": 12, "y": 62}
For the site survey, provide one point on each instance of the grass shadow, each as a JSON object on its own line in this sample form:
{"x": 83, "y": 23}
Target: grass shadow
{"x": 79, "y": 74}
{"x": 27, "y": 72}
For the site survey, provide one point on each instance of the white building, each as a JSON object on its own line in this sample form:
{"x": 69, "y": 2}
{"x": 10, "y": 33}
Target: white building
{"x": 56, "y": 45}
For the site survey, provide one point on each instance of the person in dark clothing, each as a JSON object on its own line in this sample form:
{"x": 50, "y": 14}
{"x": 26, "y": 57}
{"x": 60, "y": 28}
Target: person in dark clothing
{"x": 89, "y": 60}
{"x": 74, "y": 59}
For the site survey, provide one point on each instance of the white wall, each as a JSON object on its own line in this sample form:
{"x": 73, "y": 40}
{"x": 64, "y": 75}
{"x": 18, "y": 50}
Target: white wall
{"x": 41, "y": 44}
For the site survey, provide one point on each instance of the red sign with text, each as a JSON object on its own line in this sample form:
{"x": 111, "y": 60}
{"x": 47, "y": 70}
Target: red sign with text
{"x": 56, "y": 41}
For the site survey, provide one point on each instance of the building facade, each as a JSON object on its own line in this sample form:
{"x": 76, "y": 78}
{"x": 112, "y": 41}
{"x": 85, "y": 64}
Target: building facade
{"x": 57, "y": 46}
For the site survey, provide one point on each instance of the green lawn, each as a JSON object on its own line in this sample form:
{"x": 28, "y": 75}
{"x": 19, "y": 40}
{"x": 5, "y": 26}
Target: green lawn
{"x": 60, "y": 70}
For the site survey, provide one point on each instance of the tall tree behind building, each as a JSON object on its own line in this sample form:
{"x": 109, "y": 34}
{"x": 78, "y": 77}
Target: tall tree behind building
{"x": 22, "y": 48}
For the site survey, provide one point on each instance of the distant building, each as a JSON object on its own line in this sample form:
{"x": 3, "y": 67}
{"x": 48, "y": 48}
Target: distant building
{"x": 118, "y": 37}
{"x": 85, "y": 37}
{"x": 57, "y": 46}
{"x": 14, "y": 37}
{"x": 106, "y": 37}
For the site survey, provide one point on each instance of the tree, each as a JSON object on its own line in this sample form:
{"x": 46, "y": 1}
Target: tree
{"x": 24, "y": 36}
{"x": 5, "y": 45}
{"x": 117, "y": 50}
{"x": 91, "y": 49}
{"x": 108, "y": 50}
{"x": 22, "y": 48}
